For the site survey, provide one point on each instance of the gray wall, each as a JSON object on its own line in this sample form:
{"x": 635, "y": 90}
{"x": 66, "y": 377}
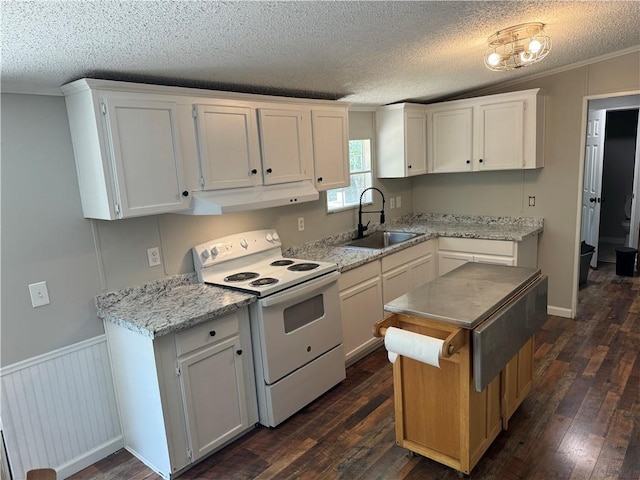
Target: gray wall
{"x": 555, "y": 186}
{"x": 45, "y": 237}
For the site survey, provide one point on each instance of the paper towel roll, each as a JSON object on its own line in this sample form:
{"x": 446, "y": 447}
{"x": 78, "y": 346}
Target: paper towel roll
{"x": 413, "y": 345}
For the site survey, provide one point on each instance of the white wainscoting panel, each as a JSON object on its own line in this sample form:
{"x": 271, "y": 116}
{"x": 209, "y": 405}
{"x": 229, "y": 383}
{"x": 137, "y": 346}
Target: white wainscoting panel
{"x": 59, "y": 409}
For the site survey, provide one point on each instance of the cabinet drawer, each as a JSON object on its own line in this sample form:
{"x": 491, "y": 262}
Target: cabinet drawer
{"x": 475, "y": 245}
{"x": 358, "y": 275}
{"x": 407, "y": 255}
{"x": 206, "y": 334}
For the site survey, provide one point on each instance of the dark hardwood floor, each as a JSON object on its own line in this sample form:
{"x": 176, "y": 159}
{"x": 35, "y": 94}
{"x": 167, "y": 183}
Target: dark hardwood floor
{"x": 581, "y": 421}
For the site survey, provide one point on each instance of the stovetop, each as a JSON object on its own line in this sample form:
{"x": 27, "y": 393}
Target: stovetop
{"x": 253, "y": 262}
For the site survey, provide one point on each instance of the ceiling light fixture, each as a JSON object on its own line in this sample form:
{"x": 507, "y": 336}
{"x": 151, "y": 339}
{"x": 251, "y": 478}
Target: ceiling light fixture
{"x": 516, "y": 47}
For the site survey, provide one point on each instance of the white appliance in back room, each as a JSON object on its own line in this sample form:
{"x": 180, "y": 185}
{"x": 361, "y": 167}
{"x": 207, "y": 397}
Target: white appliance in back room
{"x": 296, "y": 328}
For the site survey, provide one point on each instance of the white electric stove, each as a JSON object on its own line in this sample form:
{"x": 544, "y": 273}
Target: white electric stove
{"x": 296, "y": 326}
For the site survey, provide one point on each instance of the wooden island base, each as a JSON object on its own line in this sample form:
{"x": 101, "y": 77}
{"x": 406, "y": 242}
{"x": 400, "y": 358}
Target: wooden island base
{"x": 438, "y": 412}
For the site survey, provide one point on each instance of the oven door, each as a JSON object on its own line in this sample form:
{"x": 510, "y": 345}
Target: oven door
{"x": 297, "y": 325}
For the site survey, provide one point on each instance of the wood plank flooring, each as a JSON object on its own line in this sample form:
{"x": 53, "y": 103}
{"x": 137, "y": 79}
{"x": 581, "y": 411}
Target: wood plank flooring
{"x": 581, "y": 421}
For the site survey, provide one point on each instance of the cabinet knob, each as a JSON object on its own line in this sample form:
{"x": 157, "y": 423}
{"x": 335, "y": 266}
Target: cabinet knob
{"x": 185, "y": 193}
{"x": 408, "y": 166}
{"x": 480, "y": 160}
{"x": 239, "y": 352}
{"x": 468, "y": 161}
{"x": 319, "y": 179}
{"x": 309, "y": 348}
{"x": 212, "y": 333}
{"x": 254, "y": 171}
{"x": 269, "y": 170}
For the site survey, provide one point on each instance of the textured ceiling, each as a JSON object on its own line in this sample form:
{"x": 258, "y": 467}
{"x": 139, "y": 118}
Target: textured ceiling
{"x": 362, "y": 52}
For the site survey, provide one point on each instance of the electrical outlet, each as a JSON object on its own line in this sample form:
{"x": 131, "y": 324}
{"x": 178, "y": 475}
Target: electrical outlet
{"x": 532, "y": 201}
{"x": 398, "y": 201}
{"x": 39, "y": 294}
{"x": 153, "y": 255}
{"x": 392, "y": 203}
{"x": 300, "y": 224}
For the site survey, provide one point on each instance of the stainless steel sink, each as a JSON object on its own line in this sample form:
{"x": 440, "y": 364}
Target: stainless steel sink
{"x": 381, "y": 239}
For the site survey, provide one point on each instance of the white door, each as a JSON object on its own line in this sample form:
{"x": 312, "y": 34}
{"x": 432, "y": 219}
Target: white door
{"x": 592, "y": 185}
{"x": 147, "y": 163}
{"x": 450, "y": 140}
{"x": 416, "y": 142}
{"x": 500, "y": 136}
{"x": 215, "y": 403}
{"x": 285, "y": 138}
{"x": 227, "y": 146}
{"x": 331, "y": 148}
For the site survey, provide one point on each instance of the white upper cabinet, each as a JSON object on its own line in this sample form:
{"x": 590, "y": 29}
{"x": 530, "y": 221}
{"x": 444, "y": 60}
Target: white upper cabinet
{"x": 496, "y": 132}
{"x": 128, "y": 154}
{"x": 228, "y": 146}
{"x": 285, "y": 140}
{"x": 331, "y": 147}
{"x": 401, "y": 140}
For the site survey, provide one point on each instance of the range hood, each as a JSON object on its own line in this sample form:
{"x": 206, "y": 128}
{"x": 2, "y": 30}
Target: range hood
{"x": 217, "y": 202}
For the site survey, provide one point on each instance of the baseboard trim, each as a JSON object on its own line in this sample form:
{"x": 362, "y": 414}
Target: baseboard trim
{"x": 560, "y": 312}
{"x": 89, "y": 458}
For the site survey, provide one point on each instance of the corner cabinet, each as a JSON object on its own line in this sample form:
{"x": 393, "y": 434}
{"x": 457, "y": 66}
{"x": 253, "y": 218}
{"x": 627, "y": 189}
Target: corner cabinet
{"x": 128, "y": 154}
{"x": 330, "y": 147}
{"x": 183, "y": 396}
{"x": 401, "y": 140}
{"x": 496, "y": 132}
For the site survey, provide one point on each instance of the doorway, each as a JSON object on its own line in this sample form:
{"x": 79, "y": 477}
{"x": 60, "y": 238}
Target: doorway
{"x": 611, "y": 183}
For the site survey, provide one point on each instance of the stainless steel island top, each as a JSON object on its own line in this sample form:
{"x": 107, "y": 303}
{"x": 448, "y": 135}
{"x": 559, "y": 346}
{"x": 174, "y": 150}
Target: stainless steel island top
{"x": 465, "y": 296}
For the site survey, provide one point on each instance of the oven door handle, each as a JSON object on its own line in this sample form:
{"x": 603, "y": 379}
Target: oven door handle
{"x": 300, "y": 291}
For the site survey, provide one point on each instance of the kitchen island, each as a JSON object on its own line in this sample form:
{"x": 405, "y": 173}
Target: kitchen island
{"x": 482, "y": 318}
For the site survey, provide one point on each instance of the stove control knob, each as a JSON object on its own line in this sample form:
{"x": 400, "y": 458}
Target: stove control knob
{"x": 275, "y": 236}
{"x": 205, "y": 254}
{"x": 269, "y": 237}
{"x": 244, "y": 243}
{"x": 214, "y": 250}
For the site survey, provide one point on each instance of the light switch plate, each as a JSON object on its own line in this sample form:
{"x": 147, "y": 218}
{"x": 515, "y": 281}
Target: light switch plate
{"x": 39, "y": 294}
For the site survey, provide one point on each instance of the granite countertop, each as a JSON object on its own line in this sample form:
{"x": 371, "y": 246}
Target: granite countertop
{"x": 179, "y": 302}
{"x": 168, "y": 305}
{"x": 431, "y": 225}
{"x": 486, "y": 287}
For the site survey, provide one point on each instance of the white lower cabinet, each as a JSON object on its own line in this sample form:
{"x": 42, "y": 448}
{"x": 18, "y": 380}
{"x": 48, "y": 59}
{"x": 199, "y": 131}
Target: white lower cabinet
{"x": 361, "y": 307}
{"x": 364, "y": 291}
{"x": 183, "y": 396}
{"x": 407, "y": 270}
{"x": 453, "y": 252}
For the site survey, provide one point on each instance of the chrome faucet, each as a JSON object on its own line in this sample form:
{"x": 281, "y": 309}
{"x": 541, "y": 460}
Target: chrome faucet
{"x": 362, "y": 228}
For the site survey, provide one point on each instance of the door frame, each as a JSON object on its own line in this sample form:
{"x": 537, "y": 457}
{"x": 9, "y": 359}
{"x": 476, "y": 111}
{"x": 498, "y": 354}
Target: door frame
{"x": 578, "y": 230}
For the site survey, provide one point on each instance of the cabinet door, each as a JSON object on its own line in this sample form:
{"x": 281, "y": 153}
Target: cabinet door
{"x": 395, "y": 283}
{"x": 517, "y": 380}
{"x": 500, "y": 136}
{"x": 450, "y": 140}
{"x": 213, "y": 394}
{"x": 421, "y": 271}
{"x": 145, "y": 152}
{"x": 361, "y": 307}
{"x": 330, "y": 148}
{"x": 415, "y": 142}
{"x": 285, "y": 138}
{"x": 447, "y": 261}
{"x": 228, "y": 146}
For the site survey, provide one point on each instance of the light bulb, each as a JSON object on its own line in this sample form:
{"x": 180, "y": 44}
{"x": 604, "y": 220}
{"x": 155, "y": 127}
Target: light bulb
{"x": 534, "y": 46}
{"x": 493, "y": 59}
